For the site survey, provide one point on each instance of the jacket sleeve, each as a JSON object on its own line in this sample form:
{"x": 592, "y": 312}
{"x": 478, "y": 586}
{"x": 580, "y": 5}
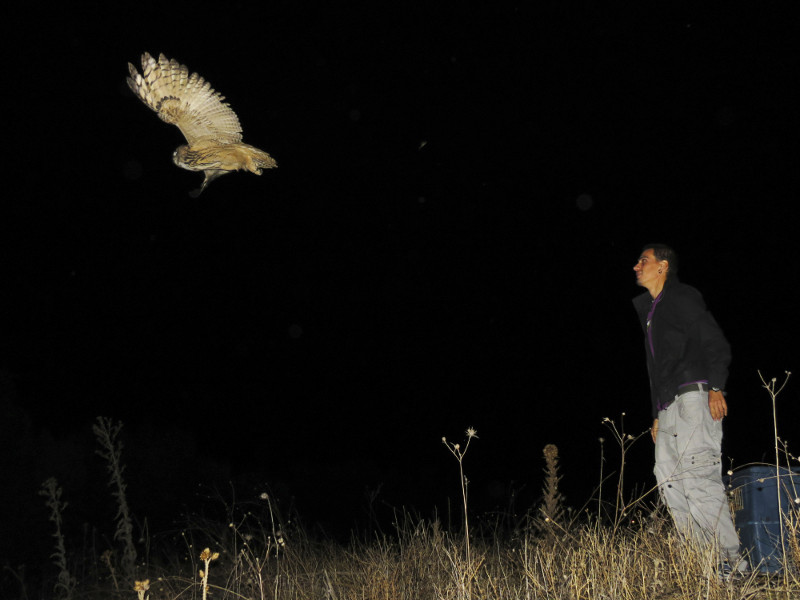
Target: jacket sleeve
{"x": 705, "y": 331}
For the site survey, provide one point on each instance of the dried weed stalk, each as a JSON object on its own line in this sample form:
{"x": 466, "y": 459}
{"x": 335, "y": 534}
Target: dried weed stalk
{"x": 107, "y": 433}
{"x": 456, "y": 450}
{"x": 551, "y": 510}
{"x": 65, "y": 584}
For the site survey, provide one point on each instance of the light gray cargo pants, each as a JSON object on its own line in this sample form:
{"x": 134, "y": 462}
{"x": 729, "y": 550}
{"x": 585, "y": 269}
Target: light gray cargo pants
{"x": 688, "y": 455}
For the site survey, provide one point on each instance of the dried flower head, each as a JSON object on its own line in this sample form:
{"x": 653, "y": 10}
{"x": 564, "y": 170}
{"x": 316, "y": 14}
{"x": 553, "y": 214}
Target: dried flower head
{"x": 550, "y": 452}
{"x": 471, "y": 432}
{"x": 207, "y": 555}
{"x": 141, "y": 586}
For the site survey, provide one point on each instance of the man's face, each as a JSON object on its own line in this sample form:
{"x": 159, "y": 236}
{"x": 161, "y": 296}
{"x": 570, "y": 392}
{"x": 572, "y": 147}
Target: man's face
{"x": 647, "y": 268}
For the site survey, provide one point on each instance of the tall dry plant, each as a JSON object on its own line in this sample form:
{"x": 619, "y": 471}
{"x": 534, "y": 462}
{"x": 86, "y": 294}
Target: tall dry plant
{"x": 65, "y": 584}
{"x": 624, "y": 441}
{"x": 773, "y": 389}
{"x": 456, "y": 450}
{"x": 206, "y": 556}
{"x": 107, "y": 433}
{"x": 552, "y": 508}
{"x": 255, "y": 546}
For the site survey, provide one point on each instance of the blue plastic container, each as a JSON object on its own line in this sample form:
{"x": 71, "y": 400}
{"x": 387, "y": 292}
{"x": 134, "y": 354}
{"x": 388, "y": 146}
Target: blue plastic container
{"x": 753, "y": 493}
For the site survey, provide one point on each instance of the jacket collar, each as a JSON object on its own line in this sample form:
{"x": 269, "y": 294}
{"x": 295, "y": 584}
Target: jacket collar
{"x": 644, "y": 300}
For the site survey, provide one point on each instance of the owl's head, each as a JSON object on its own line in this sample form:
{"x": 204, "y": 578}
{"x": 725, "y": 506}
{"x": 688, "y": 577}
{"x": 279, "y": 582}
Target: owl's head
{"x": 181, "y": 158}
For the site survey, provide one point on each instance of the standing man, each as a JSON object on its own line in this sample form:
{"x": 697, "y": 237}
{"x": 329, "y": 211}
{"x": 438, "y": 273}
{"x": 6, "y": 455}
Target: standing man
{"x": 687, "y": 360}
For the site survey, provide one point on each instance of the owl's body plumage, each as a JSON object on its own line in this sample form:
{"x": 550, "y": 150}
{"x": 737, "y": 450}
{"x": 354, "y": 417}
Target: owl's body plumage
{"x": 210, "y": 126}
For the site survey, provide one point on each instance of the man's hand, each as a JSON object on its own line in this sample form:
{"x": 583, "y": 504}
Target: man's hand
{"x": 717, "y": 405}
{"x": 654, "y": 430}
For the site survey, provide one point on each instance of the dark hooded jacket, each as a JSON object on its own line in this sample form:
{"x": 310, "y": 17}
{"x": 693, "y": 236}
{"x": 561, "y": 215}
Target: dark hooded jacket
{"x": 683, "y": 343}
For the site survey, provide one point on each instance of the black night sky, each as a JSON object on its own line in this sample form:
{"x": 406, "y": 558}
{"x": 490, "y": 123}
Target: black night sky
{"x": 447, "y": 242}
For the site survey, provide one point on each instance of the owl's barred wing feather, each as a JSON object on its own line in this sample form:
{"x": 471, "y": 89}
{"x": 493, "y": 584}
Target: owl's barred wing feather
{"x": 187, "y": 101}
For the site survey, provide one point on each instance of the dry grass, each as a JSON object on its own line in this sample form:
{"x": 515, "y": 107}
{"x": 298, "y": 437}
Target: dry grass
{"x": 640, "y": 561}
{"x": 258, "y": 556}
{"x": 628, "y": 553}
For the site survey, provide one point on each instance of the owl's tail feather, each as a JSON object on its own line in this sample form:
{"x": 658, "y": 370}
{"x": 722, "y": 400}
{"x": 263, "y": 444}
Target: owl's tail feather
{"x": 254, "y": 159}
{"x": 262, "y": 160}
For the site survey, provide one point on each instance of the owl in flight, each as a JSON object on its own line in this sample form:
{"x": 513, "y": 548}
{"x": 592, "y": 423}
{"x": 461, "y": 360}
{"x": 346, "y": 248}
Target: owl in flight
{"x": 209, "y": 124}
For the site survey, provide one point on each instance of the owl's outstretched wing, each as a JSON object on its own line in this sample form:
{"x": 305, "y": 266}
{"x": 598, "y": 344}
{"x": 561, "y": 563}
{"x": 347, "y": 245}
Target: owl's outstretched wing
{"x": 187, "y": 101}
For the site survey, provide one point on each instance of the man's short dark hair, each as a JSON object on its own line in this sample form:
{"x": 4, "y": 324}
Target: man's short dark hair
{"x": 664, "y": 252}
